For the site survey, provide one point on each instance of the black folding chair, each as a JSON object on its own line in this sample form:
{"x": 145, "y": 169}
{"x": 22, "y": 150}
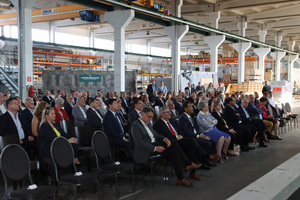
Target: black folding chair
{"x": 102, "y": 150}
{"x": 67, "y": 126}
{"x": 15, "y": 166}
{"x": 290, "y": 114}
{"x": 282, "y": 121}
{"x": 62, "y": 155}
{"x": 84, "y": 144}
{"x": 8, "y": 139}
{"x": 286, "y": 116}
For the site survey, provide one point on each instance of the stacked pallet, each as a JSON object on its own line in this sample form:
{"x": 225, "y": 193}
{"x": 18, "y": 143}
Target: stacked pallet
{"x": 246, "y": 87}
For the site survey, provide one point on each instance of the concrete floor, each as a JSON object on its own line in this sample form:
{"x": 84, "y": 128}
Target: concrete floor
{"x": 217, "y": 184}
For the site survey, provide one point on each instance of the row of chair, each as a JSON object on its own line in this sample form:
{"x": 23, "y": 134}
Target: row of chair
{"x": 15, "y": 166}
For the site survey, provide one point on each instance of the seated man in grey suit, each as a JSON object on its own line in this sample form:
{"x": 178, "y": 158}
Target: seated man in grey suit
{"x": 174, "y": 113}
{"x": 79, "y": 113}
{"x": 148, "y": 142}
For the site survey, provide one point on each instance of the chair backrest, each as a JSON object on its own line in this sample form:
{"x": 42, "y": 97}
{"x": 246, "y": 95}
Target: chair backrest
{"x": 270, "y": 110}
{"x": 8, "y": 139}
{"x": 14, "y": 162}
{"x": 277, "y": 111}
{"x": 101, "y": 145}
{"x": 288, "y": 107}
{"x": 283, "y": 109}
{"x": 62, "y": 153}
{"x": 83, "y": 135}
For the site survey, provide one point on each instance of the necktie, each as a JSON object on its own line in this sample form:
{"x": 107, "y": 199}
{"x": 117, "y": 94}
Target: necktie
{"x": 171, "y": 129}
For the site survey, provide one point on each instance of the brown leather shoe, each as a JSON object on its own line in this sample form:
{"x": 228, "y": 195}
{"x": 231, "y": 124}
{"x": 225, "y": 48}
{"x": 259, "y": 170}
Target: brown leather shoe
{"x": 195, "y": 176}
{"x": 193, "y": 166}
{"x": 213, "y": 157}
{"x": 184, "y": 182}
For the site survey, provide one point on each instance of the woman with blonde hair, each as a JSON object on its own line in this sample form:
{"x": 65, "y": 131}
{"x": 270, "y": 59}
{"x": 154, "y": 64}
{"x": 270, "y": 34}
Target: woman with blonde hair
{"x": 38, "y": 117}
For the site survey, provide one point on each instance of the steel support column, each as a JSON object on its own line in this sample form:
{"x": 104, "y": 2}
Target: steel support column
{"x": 24, "y": 9}
{"x": 277, "y": 56}
{"x": 261, "y": 53}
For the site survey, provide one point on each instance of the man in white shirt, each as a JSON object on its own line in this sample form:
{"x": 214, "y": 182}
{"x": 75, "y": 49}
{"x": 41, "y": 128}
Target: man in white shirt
{"x": 162, "y": 88}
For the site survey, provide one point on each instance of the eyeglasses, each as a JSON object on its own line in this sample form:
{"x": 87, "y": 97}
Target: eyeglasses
{"x": 150, "y": 117}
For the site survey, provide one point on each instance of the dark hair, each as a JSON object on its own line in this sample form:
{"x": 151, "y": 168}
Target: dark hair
{"x": 228, "y": 100}
{"x": 136, "y": 101}
{"x": 91, "y": 100}
{"x": 160, "y": 92}
{"x": 147, "y": 109}
{"x": 190, "y": 99}
{"x": 185, "y": 104}
{"x": 10, "y": 100}
{"x": 263, "y": 99}
{"x": 199, "y": 94}
{"x": 111, "y": 101}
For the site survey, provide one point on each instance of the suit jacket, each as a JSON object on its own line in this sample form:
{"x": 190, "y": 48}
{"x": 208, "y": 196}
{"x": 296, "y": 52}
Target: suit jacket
{"x": 112, "y": 128}
{"x": 133, "y": 116}
{"x": 242, "y": 113}
{"x": 186, "y": 128}
{"x": 46, "y": 136}
{"x": 26, "y": 116}
{"x": 253, "y": 110}
{"x": 93, "y": 121}
{"x": 8, "y": 127}
{"x": 68, "y": 108}
{"x": 150, "y": 91}
{"x": 161, "y": 128}
{"x": 143, "y": 147}
{"x": 231, "y": 116}
{"x": 190, "y": 91}
{"x": 178, "y": 107}
{"x": 124, "y": 105}
{"x": 158, "y": 102}
{"x": 79, "y": 119}
{"x": 221, "y": 124}
{"x": 48, "y": 100}
{"x": 200, "y": 88}
{"x": 176, "y": 115}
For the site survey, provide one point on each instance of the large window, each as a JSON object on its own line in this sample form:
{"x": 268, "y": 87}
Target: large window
{"x": 70, "y": 39}
{"x": 157, "y": 51}
{"x": 40, "y": 35}
{"x": 104, "y": 44}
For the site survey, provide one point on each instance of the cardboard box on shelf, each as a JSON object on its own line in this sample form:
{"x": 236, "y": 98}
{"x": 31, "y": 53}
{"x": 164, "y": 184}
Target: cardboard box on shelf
{"x": 226, "y": 77}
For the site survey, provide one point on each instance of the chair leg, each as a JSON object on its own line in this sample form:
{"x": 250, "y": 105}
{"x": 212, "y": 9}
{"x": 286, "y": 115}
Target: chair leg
{"x": 98, "y": 190}
{"x": 75, "y": 192}
{"x": 132, "y": 179}
{"x": 117, "y": 187}
{"x": 151, "y": 169}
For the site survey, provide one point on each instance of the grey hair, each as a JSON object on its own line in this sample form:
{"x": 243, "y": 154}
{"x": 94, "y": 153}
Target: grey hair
{"x": 59, "y": 101}
{"x": 202, "y": 104}
{"x": 244, "y": 100}
{"x": 168, "y": 101}
{"x": 162, "y": 110}
{"x": 27, "y": 99}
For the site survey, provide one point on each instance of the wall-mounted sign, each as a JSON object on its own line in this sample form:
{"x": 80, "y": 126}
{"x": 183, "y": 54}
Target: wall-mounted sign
{"x": 90, "y": 78}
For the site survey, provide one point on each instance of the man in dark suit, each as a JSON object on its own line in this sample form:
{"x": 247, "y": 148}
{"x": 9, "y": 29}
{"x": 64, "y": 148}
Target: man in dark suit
{"x": 174, "y": 113}
{"x": 160, "y": 101}
{"x": 151, "y": 87}
{"x": 11, "y": 123}
{"x": 94, "y": 117}
{"x": 200, "y": 88}
{"x": 148, "y": 142}
{"x": 47, "y": 98}
{"x": 167, "y": 127}
{"x": 178, "y": 104}
{"x": 188, "y": 128}
{"x": 68, "y": 106}
{"x": 234, "y": 121}
{"x": 114, "y": 130}
{"x": 135, "y": 113}
{"x": 27, "y": 114}
{"x": 190, "y": 88}
{"x": 254, "y": 125}
{"x": 124, "y": 103}
{"x": 79, "y": 113}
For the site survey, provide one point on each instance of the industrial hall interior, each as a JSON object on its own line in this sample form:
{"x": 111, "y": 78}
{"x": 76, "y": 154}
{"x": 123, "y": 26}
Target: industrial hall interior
{"x": 149, "y": 99}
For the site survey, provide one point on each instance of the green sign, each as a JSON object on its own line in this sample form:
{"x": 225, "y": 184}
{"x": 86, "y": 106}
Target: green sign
{"x": 90, "y": 78}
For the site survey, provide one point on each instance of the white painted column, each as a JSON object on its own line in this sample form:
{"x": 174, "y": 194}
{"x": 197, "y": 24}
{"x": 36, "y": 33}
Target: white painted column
{"x": 262, "y": 35}
{"x": 277, "y": 56}
{"x": 261, "y": 53}
{"x": 119, "y": 19}
{"x": 51, "y": 32}
{"x": 176, "y": 33}
{"x": 214, "y": 42}
{"x": 241, "y": 48}
{"x": 292, "y": 59}
{"x": 214, "y": 19}
{"x": 91, "y": 37}
{"x": 24, "y": 9}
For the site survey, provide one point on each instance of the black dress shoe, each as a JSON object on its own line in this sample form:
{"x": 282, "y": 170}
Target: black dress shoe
{"x": 250, "y": 148}
{"x": 244, "y": 149}
{"x": 210, "y": 164}
{"x": 278, "y": 138}
{"x": 263, "y": 145}
{"x": 205, "y": 167}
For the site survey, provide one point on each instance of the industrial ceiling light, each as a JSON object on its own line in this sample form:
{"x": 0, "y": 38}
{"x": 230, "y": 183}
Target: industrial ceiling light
{"x": 148, "y": 33}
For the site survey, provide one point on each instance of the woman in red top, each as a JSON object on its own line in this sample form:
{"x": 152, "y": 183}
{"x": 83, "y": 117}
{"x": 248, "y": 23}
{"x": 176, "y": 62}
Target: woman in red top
{"x": 60, "y": 113}
{"x": 266, "y": 116}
